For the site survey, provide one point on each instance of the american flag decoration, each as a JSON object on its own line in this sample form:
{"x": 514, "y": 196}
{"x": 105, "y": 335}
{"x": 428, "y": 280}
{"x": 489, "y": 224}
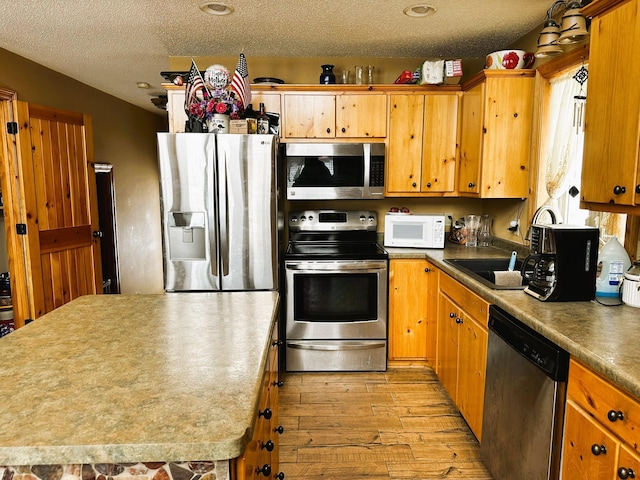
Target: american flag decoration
{"x": 240, "y": 83}
{"x": 194, "y": 83}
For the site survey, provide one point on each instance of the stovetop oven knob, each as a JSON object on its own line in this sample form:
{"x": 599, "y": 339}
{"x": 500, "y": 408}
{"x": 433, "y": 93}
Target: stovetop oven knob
{"x": 371, "y": 219}
{"x": 310, "y": 218}
{"x": 294, "y": 219}
{"x": 362, "y": 218}
{"x": 302, "y": 218}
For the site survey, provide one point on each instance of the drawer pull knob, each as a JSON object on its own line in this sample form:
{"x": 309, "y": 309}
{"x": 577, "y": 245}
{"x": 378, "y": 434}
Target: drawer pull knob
{"x": 626, "y": 473}
{"x": 279, "y": 476}
{"x": 452, "y": 315}
{"x": 459, "y": 321}
{"x": 278, "y": 383}
{"x": 614, "y": 415}
{"x": 279, "y": 429}
{"x": 598, "y": 449}
{"x": 427, "y": 269}
{"x": 266, "y": 413}
{"x": 264, "y": 470}
{"x": 268, "y": 446}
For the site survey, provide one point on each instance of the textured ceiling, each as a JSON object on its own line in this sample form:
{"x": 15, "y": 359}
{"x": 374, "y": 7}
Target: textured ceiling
{"x": 112, "y": 44}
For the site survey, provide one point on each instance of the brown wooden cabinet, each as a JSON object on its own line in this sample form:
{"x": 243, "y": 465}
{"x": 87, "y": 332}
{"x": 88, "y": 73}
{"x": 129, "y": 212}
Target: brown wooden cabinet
{"x": 413, "y": 288}
{"x": 261, "y": 456}
{"x": 327, "y": 115}
{"x": 611, "y": 170}
{"x": 601, "y": 429}
{"x": 423, "y": 144}
{"x": 462, "y": 348}
{"x": 495, "y": 141}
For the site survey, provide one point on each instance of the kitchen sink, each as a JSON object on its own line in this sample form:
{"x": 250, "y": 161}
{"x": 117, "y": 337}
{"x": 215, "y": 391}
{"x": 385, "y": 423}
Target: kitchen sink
{"x": 482, "y": 270}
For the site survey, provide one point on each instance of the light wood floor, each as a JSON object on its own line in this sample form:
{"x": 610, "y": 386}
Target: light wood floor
{"x": 397, "y": 424}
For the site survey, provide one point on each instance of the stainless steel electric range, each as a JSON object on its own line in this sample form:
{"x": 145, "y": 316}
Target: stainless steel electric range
{"x": 336, "y": 281}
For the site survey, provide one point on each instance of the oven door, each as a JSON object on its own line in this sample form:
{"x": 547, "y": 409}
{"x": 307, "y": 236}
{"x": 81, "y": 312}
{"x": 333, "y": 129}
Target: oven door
{"x": 341, "y": 300}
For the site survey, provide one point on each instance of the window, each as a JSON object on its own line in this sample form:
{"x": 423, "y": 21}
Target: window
{"x": 561, "y": 157}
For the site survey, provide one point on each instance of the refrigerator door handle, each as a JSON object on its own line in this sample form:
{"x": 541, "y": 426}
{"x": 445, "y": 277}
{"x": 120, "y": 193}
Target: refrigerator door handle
{"x": 224, "y": 211}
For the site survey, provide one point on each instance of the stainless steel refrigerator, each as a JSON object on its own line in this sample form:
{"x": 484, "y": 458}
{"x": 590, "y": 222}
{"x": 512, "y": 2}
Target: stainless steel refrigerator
{"x": 219, "y": 211}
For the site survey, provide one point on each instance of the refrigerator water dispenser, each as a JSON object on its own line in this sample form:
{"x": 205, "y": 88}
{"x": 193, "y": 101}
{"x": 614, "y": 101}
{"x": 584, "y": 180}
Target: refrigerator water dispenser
{"x": 187, "y": 237}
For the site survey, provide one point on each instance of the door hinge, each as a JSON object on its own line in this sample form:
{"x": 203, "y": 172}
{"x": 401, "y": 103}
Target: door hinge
{"x": 12, "y": 128}
{"x": 21, "y": 228}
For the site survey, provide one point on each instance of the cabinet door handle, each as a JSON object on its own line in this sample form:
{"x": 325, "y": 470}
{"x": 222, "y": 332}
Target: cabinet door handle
{"x": 428, "y": 185}
{"x": 264, "y": 470}
{"x": 452, "y": 315}
{"x": 598, "y": 449}
{"x": 427, "y": 269}
{"x": 279, "y": 476}
{"x": 614, "y": 415}
{"x": 471, "y": 184}
{"x": 279, "y": 429}
{"x": 619, "y": 190}
{"x": 414, "y": 184}
{"x": 343, "y": 130}
{"x": 268, "y": 446}
{"x": 626, "y": 473}
{"x": 266, "y": 413}
{"x": 328, "y": 130}
{"x": 637, "y": 188}
{"x": 278, "y": 383}
{"x": 459, "y": 321}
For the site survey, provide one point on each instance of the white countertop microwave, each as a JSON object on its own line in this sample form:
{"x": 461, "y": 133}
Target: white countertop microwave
{"x": 414, "y": 230}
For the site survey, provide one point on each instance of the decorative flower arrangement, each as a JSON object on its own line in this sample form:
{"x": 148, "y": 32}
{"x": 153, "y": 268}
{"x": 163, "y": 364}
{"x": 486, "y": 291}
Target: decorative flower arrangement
{"x": 222, "y": 101}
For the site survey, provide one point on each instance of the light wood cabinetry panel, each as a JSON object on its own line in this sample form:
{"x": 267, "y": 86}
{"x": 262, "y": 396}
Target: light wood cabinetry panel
{"x": 495, "y": 141}
{"x": 423, "y": 133}
{"x": 610, "y": 171}
{"x": 462, "y": 348}
{"x": 581, "y": 433}
{"x": 261, "y": 456}
{"x": 412, "y": 310}
{"x": 177, "y": 116}
{"x": 326, "y": 115}
{"x": 599, "y": 415}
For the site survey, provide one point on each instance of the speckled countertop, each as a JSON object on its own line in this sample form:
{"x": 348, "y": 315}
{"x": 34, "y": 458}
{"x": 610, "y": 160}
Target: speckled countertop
{"x": 605, "y": 338}
{"x": 115, "y": 378}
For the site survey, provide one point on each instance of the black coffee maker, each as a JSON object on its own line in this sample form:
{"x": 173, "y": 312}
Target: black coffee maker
{"x": 562, "y": 264}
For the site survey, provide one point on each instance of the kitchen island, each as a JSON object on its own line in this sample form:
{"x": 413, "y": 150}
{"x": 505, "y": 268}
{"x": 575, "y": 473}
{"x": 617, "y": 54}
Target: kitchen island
{"x": 135, "y": 385}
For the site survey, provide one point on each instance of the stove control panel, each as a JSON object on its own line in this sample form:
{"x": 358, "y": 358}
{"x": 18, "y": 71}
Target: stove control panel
{"x": 333, "y": 220}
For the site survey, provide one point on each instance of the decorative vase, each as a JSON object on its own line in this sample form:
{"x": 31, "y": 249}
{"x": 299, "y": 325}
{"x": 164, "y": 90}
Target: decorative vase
{"x": 327, "y": 76}
{"x": 219, "y": 123}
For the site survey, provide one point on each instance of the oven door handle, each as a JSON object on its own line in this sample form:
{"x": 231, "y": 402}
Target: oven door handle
{"x": 334, "y": 346}
{"x": 360, "y": 265}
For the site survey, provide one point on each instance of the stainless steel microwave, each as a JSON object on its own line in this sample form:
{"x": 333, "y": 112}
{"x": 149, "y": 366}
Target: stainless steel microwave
{"x": 333, "y": 171}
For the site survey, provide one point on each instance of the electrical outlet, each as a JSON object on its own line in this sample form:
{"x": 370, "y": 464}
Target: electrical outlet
{"x": 448, "y": 221}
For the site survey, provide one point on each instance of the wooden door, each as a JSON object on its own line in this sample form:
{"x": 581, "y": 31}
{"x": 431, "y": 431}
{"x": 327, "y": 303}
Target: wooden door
{"x": 440, "y": 143}
{"x": 448, "y": 318}
{"x": 472, "y": 360}
{"x": 405, "y": 144}
{"x": 361, "y": 116}
{"x": 611, "y": 115}
{"x": 309, "y": 116}
{"x": 472, "y": 124}
{"x": 408, "y": 285}
{"x": 58, "y": 208}
{"x": 581, "y": 434}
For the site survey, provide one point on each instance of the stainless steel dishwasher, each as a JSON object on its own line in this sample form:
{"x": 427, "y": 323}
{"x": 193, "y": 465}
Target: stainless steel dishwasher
{"x": 524, "y": 401}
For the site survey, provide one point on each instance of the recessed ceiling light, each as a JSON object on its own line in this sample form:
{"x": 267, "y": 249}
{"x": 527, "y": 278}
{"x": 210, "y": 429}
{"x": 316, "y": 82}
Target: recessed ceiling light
{"x": 420, "y": 10}
{"x": 216, "y": 8}
{"x": 143, "y": 85}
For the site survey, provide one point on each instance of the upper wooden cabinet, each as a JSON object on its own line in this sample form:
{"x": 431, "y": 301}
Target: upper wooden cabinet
{"x": 423, "y": 134}
{"x": 178, "y": 117}
{"x": 495, "y": 142}
{"x": 611, "y": 170}
{"x": 327, "y": 115}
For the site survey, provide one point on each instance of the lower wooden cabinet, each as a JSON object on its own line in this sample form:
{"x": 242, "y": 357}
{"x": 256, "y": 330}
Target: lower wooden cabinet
{"x": 601, "y": 429}
{"x": 462, "y": 348}
{"x": 413, "y": 288}
{"x": 260, "y": 459}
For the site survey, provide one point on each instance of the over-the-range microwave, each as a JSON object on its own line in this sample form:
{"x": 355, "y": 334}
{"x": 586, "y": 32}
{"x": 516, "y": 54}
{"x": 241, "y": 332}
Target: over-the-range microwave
{"x": 334, "y": 171}
{"x": 414, "y": 230}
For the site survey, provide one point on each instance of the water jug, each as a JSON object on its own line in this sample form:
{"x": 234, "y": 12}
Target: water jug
{"x": 613, "y": 261}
